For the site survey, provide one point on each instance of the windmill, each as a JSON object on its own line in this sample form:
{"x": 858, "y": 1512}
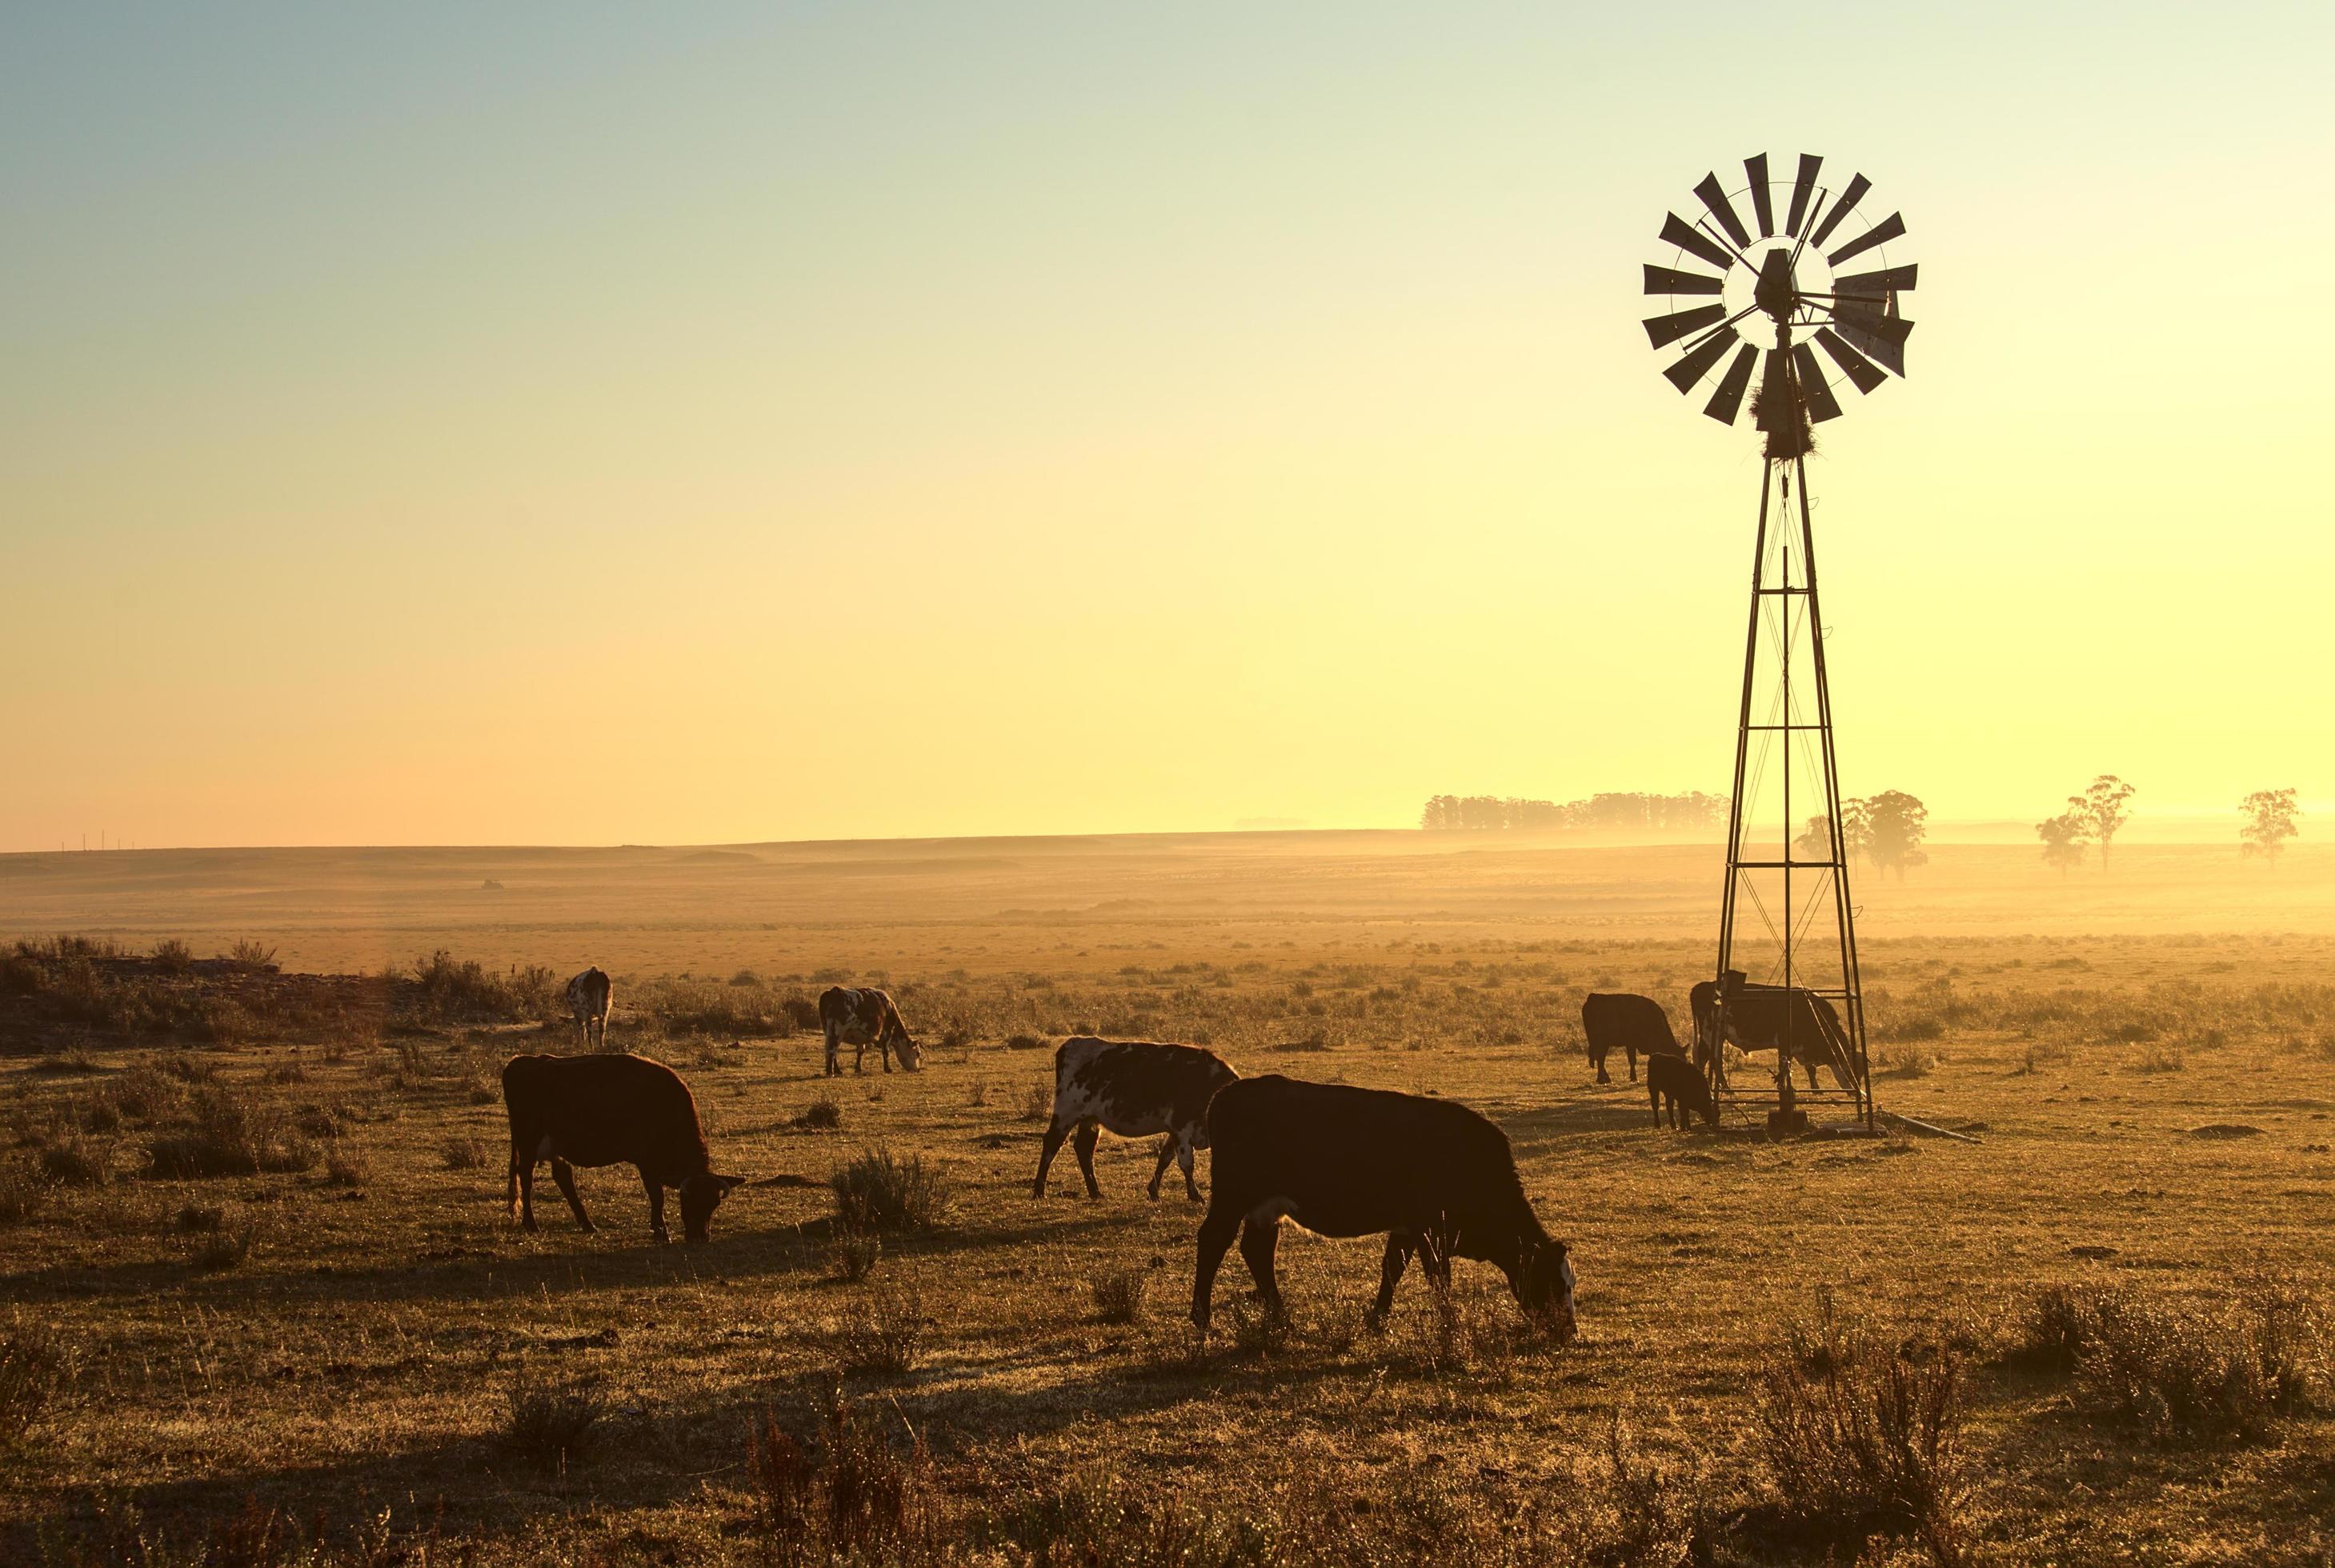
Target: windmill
{"x": 1816, "y": 275}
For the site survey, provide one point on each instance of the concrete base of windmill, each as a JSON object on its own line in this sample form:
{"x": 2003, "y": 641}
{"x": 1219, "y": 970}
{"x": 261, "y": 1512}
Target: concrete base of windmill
{"x": 1786, "y": 1123}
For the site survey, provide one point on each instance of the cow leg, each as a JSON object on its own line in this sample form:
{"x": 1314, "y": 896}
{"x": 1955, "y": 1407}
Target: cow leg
{"x": 1258, "y": 1238}
{"x": 565, "y": 1175}
{"x": 884, "y": 1053}
{"x": 1166, "y": 1156}
{"x": 833, "y": 1057}
{"x": 656, "y": 1208}
{"x": 1084, "y": 1143}
{"x": 1630, "y": 1051}
{"x": 1056, "y": 1131}
{"x": 522, "y": 1185}
{"x": 1398, "y": 1258}
{"x": 859, "y": 1059}
{"x": 1655, "y": 1099}
{"x": 1183, "y": 1157}
{"x": 1216, "y": 1233}
{"x": 1598, "y": 1061}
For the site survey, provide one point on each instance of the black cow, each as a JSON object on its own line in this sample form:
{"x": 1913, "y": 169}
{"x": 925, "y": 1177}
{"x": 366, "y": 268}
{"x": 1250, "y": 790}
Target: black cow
{"x": 596, "y": 1110}
{"x": 1437, "y": 1178}
{"x": 859, "y": 1019}
{"x": 1637, "y": 1024}
{"x": 1762, "y": 1017}
{"x": 1674, "y": 1083}
{"x": 1134, "y": 1088}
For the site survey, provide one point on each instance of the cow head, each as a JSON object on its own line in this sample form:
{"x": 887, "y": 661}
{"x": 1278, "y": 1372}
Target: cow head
{"x": 905, "y": 1048}
{"x": 1545, "y": 1287}
{"x": 700, "y": 1195}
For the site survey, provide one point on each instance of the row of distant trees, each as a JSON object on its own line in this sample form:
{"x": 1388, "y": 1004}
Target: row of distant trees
{"x": 1664, "y": 813}
{"x": 2265, "y": 822}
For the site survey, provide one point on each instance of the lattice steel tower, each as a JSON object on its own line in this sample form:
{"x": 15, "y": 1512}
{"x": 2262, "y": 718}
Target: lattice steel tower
{"x": 1786, "y": 917}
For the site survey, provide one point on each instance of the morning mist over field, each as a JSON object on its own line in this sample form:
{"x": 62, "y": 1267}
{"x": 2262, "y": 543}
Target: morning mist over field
{"x": 940, "y": 787}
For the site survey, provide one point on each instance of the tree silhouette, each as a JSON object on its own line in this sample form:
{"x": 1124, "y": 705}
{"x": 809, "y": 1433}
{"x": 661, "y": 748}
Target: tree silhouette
{"x": 1814, "y": 841}
{"x": 1891, "y": 827}
{"x": 2103, "y": 805}
{"x": 2066, "y": 837}
{"x": 2269, "y": 823}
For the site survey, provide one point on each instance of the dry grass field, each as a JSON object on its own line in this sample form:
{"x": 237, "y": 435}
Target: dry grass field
{"x": 261, "y": 1303}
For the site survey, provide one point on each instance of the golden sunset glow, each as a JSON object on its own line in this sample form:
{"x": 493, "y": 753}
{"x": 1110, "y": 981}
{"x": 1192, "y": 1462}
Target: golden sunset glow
{"x": 923, "y": 421}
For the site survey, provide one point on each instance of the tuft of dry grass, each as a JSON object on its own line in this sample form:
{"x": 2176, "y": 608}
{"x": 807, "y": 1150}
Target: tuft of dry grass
{"x": 550, "y": 1423}
{"x": 233, "y": 1134}
{"x": 23, "y": 1192}
{"x": 2183, "y": 1370}
{"x": 1118, "y": 1295}
{"x": 847, "y": 1494}
{"x": 461, "y": 1151}
{"x": 226, "y": 1248}
{"x": 886, "y": 1192}
{"x": 821, "y": 1115}
{"x": 852, "y": 1254}
{"x": 35, "y": 1362}
{"x": 886, "y": 1330}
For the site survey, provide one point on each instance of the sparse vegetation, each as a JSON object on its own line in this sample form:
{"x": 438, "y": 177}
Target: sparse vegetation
{"x": 882, "y": 1191}
{"x": 550, "y": 1422}
{"x": 1118, "y": 1295}
{"x": 33, "y": 1365}
{"x": 883, "y": 1332}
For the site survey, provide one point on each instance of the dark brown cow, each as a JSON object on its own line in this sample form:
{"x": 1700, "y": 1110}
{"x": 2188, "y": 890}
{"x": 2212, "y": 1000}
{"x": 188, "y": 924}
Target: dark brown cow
{"x": 1437, "y": 1178}
{"x": 1135, "y": 1087}
{"x": 1763, "y": 1017}
{"x": 1674, "y": 1083}
{"x": 596, "y": 1110}
{"x": 861, "y": 1018}
{"x": 1637, "y": 1024}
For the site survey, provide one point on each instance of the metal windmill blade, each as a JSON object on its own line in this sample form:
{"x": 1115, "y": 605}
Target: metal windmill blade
{"x": 1759, "y": 283}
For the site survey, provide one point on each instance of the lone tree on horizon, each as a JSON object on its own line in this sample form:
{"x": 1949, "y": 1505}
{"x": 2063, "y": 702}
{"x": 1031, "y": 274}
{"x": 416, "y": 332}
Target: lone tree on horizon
{"x": 2102, "y": 806}
{"x": 1892, "y": 826}
{"x": 2269, "y": 822}
{"x": 2066, "y": 837}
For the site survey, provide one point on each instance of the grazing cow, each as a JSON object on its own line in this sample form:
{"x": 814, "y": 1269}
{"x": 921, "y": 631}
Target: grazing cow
{"x": 1674, "y": 1083}
{"x": 1762, "y": 1017}
{"x": 1134, "y": 1088}
{"x": 1635, "y": 1023}
{"x": 1437, "y": 1178}
{"x": 596, "y": 1110}
{"x": 590, "y": 995}
{"x": 859, "y": 1019}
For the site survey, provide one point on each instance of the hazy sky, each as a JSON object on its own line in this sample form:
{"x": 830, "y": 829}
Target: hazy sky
{"x": 467, "y": 424}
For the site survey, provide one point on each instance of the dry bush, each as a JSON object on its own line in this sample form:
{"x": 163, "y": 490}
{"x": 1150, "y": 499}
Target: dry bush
{"x": 1636, "y": 1509}
{"x": 2160, "y": 1059}
{"x": 33, "y": 1365}
{"x": 821, "y": 1115}
{"x": 173, "y": 956}
{"x": 1118, "y": 1295}
{"x": 461, "y": 1151}
{"x": 249, "y": 955}
{"x": 852, "y": 1254}
{"x": 849, "y": 1495}
{"x": 1024, "y": 1042}
{"x": 1038, "y": 1104}
{"x": 76, "y": 1161}
{"x": 1906, "y": 1061}
{"x": 196, "y": 1219}
{"x": 466, "y": 991}
{"x": 232, "y": 1135}
{"x": 347, "y": 1167}
{"x": 881, "y": 1191}
{"x": 976, "y": 1093}
{"x": 885, "y": 1332}
{"x": 550, "y": 1423}
{"x": 1860, "y": 1437}
{"x": 224, "y": 1248}
{"x": 23, "y": 1192}
{"x": 2182, "y": 1370}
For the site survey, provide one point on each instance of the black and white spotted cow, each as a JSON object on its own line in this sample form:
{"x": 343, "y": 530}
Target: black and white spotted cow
{"x": 590, "y": 995}
{"x": 1135, "y": 1087}
{"x": 861, "y": 1017}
